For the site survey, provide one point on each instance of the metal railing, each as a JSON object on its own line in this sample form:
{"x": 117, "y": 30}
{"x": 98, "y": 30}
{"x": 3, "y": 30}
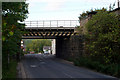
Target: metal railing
{"x": 52, "y": 23}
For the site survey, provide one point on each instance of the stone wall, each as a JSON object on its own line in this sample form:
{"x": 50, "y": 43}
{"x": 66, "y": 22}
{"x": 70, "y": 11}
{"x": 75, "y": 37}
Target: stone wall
{"x": 69, "y": 48}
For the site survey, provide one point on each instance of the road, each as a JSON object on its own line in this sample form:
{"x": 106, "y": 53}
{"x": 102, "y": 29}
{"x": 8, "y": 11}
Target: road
{"x": 47, "y": 66}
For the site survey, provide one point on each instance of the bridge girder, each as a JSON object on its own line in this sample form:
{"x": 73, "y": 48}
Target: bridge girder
{"x": 48, "y": 33}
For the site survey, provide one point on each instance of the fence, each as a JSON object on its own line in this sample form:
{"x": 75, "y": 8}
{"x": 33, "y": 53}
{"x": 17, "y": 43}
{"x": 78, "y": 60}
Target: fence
{"x": 52, "y": 23}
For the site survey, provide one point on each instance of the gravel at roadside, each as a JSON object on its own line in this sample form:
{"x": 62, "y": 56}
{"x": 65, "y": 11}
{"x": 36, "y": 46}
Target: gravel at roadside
{"x": 20, "y": 71}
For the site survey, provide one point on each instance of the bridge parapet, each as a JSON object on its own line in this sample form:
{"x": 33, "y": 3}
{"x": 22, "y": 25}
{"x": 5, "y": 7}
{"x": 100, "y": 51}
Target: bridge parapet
{"x": 52, "y": 23}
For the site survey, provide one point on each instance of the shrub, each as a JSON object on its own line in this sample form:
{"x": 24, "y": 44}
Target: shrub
{"x": 111, "y": 69}
{"x": 102, "y": 37}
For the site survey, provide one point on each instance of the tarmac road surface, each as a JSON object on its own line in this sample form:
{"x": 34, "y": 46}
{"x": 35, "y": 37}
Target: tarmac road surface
{"x": 47, "y": 66}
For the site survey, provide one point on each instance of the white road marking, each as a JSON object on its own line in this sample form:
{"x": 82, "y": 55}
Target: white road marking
{"x": 42, "y": 62}
{"x": 33, "y": 66}
{"x": 68, "y": 75}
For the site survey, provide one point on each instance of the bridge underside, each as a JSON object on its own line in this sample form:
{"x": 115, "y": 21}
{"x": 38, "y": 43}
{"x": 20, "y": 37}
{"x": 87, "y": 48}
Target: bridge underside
{"x": 48, "y": 33}
{"x": 67, "y": 44}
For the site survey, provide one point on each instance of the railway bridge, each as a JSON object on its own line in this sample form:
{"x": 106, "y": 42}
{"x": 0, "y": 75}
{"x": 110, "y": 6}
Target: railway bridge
{"x": 61, "y": 30}
{"x": 50, "y": 29}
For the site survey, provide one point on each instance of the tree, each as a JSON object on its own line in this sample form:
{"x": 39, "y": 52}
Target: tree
{"x": 103, "y": 38}
{"x": 12, "y": 14}
{"x": 85, "y": 14}
{"x": 37, "y": 44}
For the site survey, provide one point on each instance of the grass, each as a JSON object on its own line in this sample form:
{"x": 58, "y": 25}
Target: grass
{"x": 110, "y": 69}
{"x": 11, "y": 72}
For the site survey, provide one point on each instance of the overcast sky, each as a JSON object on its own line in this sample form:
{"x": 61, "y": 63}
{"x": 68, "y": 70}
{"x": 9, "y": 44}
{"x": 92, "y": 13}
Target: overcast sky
{"x": 63, "y": 9}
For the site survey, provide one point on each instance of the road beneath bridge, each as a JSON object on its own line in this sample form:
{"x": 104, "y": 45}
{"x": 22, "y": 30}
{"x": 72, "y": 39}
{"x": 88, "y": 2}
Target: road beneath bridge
{"x": 47, "y": 66}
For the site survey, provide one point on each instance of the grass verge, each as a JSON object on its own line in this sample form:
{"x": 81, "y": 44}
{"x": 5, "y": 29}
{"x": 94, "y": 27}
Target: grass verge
{"x": 110, "y": 69}
{"x": 11, "y": 71}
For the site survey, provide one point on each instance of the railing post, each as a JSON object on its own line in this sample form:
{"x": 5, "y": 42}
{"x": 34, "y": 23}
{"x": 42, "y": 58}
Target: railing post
{"x": 30, "y": 23}
{"x": 70, "y": 22}
{"x": 57, "y": 23}
{"x": 76, "y": 23}
{"x": 37, "y": 23}
{"x": 43, "y": 23}
{"x": 50, "y": 23}
{"x": 64, "y": 22}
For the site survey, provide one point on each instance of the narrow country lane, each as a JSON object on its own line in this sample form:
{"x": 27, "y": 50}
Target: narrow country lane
{"x": 47, "y": 66}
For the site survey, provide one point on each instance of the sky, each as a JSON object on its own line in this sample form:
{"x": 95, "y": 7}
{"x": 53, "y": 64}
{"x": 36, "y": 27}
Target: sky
{"x": 63, "y": 9}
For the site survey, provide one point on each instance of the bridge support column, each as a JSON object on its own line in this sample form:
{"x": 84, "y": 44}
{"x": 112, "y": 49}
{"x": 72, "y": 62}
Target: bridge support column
{"x": 59, "y": 42}
{"x": 69, "y": 48}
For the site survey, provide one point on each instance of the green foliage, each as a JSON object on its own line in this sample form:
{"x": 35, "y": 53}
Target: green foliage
{"x": 85, "y": 14}
{"x": 12, "y": 14}
{"x": 102, "y": 43}
{"x": 37, "y": 44}
{"x": 111, "y": 69}
{"x": 103, "y": 37}
{"x": 11, "y": 72}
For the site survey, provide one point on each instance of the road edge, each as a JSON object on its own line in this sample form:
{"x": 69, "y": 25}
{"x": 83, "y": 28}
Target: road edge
{"x": 21, "y": 72}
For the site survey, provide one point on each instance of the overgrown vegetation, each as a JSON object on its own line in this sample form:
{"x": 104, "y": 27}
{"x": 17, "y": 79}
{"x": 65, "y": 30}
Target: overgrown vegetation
{"x": 11, "y": 72}
{"x": 103, "y": 38}
{"x": 88, "y": 62}
{"x": 102, "y": 43}
{"x": 85, "y": 14}
{"x": 36, "y": 44}
{"x": 12, "y": 14}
